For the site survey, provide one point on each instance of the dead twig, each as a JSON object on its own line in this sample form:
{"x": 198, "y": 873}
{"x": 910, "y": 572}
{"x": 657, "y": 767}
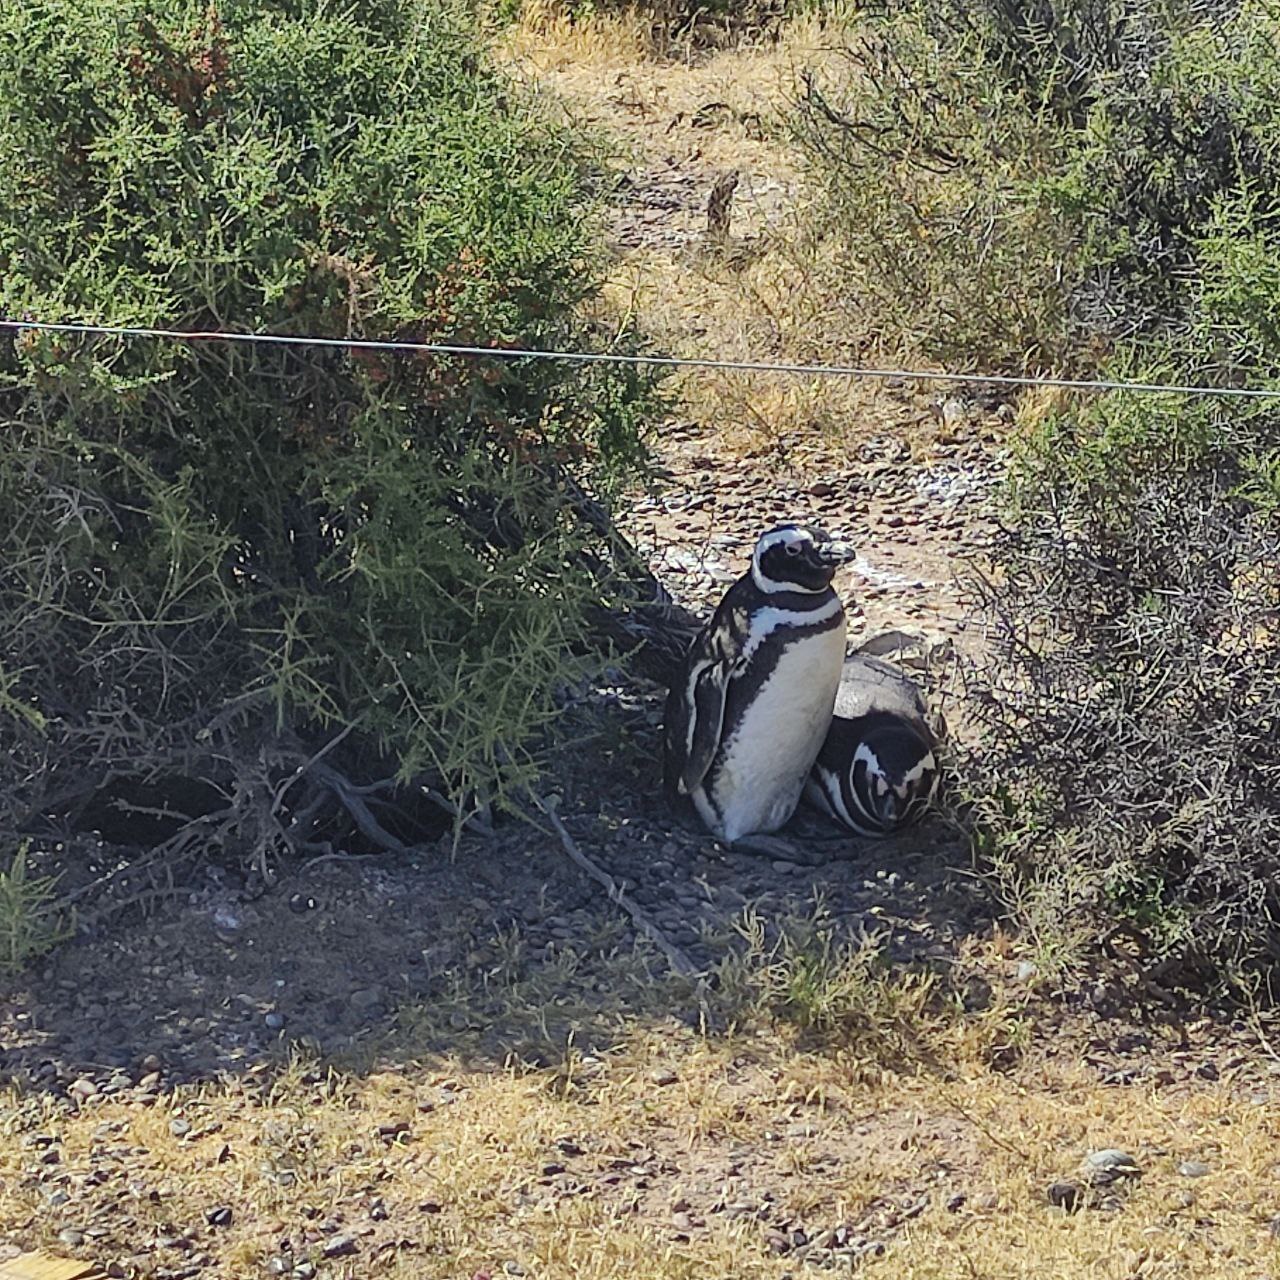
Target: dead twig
{"x": 347, "y": 795}
{"x": 677, "y": 959}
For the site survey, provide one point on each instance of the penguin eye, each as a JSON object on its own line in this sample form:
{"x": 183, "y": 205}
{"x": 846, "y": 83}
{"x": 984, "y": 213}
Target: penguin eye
{"x": 793, "y": 548}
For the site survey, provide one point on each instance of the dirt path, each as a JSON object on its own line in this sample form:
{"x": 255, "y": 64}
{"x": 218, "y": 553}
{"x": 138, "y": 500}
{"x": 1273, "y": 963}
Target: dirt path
{"x": 904, "y": 469}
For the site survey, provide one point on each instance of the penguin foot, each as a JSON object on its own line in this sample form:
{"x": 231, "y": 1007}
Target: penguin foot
{"x": 812, "y": 853}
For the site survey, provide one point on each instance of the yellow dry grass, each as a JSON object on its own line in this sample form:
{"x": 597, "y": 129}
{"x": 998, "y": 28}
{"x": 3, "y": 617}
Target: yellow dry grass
{"x": 644, "y": 1148}
{"x": 693, "y": 1177}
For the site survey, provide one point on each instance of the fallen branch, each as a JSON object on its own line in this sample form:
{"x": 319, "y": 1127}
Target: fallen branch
{"x": 347, "y": 796}
{"x": 677, "y": 959}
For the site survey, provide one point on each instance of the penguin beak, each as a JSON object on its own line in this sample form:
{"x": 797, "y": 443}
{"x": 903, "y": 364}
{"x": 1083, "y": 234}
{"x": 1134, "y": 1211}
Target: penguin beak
{"x": 836, "y": 553}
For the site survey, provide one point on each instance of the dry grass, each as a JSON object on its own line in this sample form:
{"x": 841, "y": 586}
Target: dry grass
{"x": 769, "y": 292}
{"x": 787, "y": 1145}
{"x": 658, "y": 1153}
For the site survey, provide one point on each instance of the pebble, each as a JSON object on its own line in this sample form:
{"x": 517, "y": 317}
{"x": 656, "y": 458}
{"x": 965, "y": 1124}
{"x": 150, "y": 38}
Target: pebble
{"x": 1065, "y": 1195}
{"x": 1109, "y": 1165}
{"x": 366, "y": 999}
{"x": 1026, "y": 971}
{"x": 82, "y": 1090}
{"x": 221, "y": 1216}
{"x": 274, "y": 1021}
{"x": 71, "y": 1237}
{"x": 340, "y": 1247}
{"x": 179, "y": 1127}
{"x": 1193, "y": 1169}
{"x": 956, "y": 1203}
{"x": 663, "y": 1076}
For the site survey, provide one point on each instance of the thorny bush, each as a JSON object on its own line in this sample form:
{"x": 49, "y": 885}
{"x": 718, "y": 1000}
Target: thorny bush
{"x": 1091, "y": 186}
{"x": 217, "y": 559}
{"x": 1025, "y": 185}
{"x": 1129, "y": 782}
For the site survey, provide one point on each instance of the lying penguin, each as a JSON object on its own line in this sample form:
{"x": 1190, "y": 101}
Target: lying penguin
{"x": 878, "y": 769}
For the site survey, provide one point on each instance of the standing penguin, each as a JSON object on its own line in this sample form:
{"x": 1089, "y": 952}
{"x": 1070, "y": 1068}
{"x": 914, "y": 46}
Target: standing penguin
{"x": 877, "y": 771}
{"x": 752, "y": 702}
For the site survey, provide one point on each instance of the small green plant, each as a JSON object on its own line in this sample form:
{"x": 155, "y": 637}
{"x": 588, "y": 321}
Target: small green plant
{"x": 845, "y": 992}
{"x": 29, "y": 925}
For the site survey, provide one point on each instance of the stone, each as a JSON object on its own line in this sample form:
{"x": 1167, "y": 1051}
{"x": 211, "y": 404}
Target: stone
{"x": 1109, "y": 1165}
{"x": 1065, "y": 1195}
{"x": 80, "y": 1091}
{"x": 1193, "y": 1169}
{"x": 340, "y": 1247}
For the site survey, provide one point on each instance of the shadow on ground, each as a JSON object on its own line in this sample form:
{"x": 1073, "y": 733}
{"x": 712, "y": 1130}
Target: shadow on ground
{"x": 505, "y": 952}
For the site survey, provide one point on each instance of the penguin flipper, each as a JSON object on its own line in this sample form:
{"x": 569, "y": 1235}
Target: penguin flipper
{"x": 709, "y": 692}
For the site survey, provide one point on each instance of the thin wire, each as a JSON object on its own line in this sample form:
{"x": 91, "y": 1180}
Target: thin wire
{"x": 671, "y": 362}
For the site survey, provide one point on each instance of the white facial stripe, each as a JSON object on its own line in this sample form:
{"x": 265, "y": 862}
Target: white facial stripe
{"x": 778, "y": 538}
{"x": 868, "y": 757}
{"x": 769, "y": 587}
{"x": 764, "y": 622}
{"x": 835, "y": 794}
{"x": 925, "y": 764}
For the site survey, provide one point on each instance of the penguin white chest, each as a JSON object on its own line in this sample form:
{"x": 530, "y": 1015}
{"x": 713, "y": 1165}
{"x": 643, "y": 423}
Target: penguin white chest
{"x": 771, "y": 748}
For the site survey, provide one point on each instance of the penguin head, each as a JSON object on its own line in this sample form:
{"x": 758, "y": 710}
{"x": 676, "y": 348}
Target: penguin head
{"x": 798, "y": 557}
{"x": 895, "y": 774}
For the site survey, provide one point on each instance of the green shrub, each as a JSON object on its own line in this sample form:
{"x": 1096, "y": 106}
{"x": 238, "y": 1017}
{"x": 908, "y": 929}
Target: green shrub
{"x": 1085, "y": 186}
{"x": 227, "y": 553}
{"x": 933, "y": 198}
{"x": 1024, "y": 186}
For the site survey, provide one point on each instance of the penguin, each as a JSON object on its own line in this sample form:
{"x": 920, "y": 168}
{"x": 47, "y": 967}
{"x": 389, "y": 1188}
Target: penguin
{"x": 752, "y": 701}
{"x": 877, "y": 770}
